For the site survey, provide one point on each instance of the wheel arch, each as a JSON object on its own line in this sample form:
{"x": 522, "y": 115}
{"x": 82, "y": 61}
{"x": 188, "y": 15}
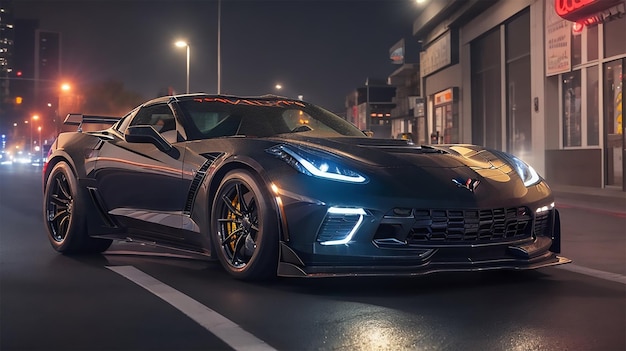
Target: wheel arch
{"x": 60, "y": 156}
{"x": 257, "y": 171}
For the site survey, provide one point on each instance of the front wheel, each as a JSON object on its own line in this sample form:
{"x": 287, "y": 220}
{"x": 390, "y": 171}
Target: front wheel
{"x": 64, "y": 214}
{"x": 245, "y": 228}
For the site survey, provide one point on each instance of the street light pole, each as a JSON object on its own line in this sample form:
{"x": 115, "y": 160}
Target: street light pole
{"x": 187, "y": 68}
{"x": 181, "y": 44}
{"x": 35, "y": 117}
{"x": 30, "y": 146}
{"x": 40, "y": 146}
{"x": 219, "y": 47}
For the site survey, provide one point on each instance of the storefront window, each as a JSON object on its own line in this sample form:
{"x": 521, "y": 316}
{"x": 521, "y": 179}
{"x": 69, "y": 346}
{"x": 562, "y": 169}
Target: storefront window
{"x": 572, "y": 109}
{"x": 519, "y": 111}
{"x": 577, "y": 57}
{"x": 593, "y": 106}
{"x": 592, "y": 43}
{"x": 613, "y": 120}
{"x": 614, "y": 42}
{"x": 486, "y": 90}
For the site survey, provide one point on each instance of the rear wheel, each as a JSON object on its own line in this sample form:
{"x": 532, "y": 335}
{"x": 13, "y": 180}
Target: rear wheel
{"x": 245, "y": 228}
{"x": 64, "y": 214}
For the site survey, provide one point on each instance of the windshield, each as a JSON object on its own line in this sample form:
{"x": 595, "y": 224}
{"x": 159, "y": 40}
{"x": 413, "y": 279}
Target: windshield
{"x": 222, "y": 117}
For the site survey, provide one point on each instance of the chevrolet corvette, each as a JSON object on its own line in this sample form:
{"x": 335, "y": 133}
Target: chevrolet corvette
{"x": 270, "y": 186}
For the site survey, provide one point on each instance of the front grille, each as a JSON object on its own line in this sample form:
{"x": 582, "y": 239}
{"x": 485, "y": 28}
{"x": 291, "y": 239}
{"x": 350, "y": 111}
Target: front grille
{"x": 543, "y": 224}
{"x": 467, "y": 226}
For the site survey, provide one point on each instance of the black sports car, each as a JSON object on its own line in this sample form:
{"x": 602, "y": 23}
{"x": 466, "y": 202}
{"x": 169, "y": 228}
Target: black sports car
{"x": 273, "y": 186}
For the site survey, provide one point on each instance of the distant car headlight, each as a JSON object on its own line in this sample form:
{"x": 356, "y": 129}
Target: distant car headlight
{"x": 525, "y": 171}
{"x": 315, "y": 163}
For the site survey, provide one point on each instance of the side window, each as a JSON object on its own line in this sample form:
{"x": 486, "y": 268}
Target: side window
{"x": 123, "y": 123}
{"x": 160, "y": 117}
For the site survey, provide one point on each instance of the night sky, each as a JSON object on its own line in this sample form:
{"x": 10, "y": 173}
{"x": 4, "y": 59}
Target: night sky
{"x": 319, "y": 49}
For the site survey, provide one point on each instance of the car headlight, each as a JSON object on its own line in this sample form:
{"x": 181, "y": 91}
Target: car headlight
{"x": 316, "y": 163}
{"x": 526, "y": 172}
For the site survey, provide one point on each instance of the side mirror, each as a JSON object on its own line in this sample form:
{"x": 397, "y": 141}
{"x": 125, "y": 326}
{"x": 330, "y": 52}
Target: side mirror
{"x": 147, "y": 134}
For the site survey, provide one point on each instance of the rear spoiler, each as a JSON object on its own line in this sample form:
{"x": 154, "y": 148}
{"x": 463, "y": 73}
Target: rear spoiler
{"x": 77, "y": 119}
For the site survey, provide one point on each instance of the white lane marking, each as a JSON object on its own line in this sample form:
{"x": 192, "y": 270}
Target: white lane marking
{"x": 594, "y": 273}
{"x": 220, "y": 326}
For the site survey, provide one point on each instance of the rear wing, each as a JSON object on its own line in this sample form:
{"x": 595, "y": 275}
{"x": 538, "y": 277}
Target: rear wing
{"x": 77, "y": 119}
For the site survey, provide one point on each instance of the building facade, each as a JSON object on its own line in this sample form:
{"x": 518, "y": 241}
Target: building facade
{"x": 542, "y": 79}
{"x": 409, "y": 105}
{"x": 369, "y": 107}
{"x": 30, "y": 67}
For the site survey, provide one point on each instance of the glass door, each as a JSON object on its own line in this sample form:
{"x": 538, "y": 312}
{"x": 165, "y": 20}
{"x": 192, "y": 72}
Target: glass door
{"x": 614, "y": 123}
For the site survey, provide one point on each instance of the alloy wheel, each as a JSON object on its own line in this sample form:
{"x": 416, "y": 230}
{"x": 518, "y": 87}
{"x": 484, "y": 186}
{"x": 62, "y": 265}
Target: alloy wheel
{"x": 238, "y": 224}
{"x": 59, "y": 207}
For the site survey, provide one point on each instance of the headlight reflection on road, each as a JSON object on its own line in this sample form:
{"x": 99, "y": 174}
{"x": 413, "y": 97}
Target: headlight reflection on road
{"x": 378, "y": 328}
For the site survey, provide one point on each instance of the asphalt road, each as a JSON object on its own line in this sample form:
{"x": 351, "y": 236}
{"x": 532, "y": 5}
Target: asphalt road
{"x": 141, "y": 298}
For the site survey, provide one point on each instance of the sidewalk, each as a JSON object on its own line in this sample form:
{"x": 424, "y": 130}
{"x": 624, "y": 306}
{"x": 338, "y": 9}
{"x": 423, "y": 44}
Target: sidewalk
{"x": 594, "y": 242}
{"x": 607, "y": 199}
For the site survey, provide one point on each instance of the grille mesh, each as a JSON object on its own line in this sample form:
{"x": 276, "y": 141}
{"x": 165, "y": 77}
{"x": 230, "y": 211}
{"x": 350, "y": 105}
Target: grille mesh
{"x": 543, "y": 224}
{"x": 454, "y": 226}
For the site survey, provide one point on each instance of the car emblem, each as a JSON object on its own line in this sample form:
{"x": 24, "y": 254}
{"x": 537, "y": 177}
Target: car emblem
{"x": 469, "y": 184}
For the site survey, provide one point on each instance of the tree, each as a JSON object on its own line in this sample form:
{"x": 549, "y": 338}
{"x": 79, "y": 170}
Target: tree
{"x": 110, "y": 98}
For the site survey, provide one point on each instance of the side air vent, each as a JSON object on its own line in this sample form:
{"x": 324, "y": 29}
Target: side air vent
{"x": 197, "y": 180}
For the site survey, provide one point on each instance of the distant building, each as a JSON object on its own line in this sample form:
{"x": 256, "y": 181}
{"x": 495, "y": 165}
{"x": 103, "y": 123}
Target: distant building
{"x": 407, "y": 117}
{"x": 6, "y": 60}
{"x": 543, "y": 80}
{"x": 30, "y": 66}
{"x": 369, "y": 107}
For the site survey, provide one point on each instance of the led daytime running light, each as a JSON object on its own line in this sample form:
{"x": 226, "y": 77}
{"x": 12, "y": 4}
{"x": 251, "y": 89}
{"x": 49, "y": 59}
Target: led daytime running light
{"x": 346, "y": 211}
{"x": 545, "y": 208}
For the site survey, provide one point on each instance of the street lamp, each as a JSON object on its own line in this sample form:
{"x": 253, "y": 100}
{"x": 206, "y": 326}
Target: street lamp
{"x": 182, "y": 44}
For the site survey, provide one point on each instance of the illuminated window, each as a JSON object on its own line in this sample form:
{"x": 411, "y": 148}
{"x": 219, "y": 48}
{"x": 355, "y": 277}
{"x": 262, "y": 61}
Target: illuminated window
{"x": 614, "y": 43}
{"x": 572, "y": 109}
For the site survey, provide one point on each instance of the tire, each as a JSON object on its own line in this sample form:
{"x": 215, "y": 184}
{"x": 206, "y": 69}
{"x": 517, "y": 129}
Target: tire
{"x": 64, "y": 214}
{"x": 245, "y": 233}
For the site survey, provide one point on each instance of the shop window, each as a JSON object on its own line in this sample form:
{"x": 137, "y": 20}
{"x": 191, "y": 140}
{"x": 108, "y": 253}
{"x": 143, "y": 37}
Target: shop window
{"x": 572, "y": 109}
{"x": 592, "y": 43}
{"x": 486, "y": 88}
{"x": 614, "y": 81}
{"x": 593, "y": 106}
{"x": 614, "y": 43}
{"x": 518, "y": 119}
{"x": 577, "y": 40}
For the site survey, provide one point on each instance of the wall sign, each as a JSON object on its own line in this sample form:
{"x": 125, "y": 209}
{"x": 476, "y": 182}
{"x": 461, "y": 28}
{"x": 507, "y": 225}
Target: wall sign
{"x": 437, "y": 55}
{"x": 576, "y": 10}
{"x": 558, "y": 42}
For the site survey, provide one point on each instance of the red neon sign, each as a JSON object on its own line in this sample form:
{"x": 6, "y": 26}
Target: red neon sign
{"x": 575, "y": 10}
{"x": 566, "y": 7}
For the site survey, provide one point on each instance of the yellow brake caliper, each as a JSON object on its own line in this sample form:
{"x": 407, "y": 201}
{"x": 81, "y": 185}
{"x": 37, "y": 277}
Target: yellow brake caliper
{"x": 232, "y": 225}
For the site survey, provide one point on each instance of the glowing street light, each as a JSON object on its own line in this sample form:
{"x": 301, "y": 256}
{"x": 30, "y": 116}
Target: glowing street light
{"x": 182, "y": 44}
{"x": 66, "y": 87}
{"x": 278, "y": 86}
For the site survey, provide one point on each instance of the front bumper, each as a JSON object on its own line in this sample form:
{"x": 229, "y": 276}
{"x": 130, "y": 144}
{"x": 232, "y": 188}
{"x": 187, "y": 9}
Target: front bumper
{"x": 396, "y": 257}
{"x": 431, "y": 261}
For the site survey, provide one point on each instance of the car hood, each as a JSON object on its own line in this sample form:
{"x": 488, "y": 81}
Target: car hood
{"x": 399, "y": 153}
{"x": 433, "y": 172}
